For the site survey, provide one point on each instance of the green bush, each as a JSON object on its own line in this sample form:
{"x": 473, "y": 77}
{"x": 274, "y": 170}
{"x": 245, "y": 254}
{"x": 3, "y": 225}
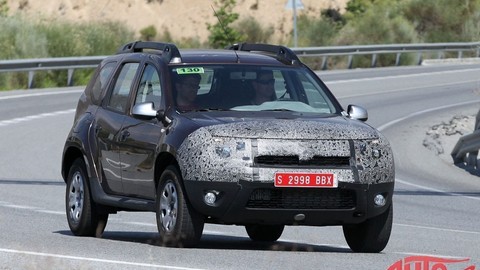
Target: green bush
{"x": 148, "y": 33}
{"x": 382, "y": 23}
{"x": 22, "y": 38}
{"x": 444, "y": 20}
{"x": 314, "y": 32}
{"x": 253, "y": 32}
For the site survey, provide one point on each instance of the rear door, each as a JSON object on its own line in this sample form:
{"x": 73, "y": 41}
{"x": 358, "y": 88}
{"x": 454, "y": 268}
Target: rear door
{"x": 108, "y": 123}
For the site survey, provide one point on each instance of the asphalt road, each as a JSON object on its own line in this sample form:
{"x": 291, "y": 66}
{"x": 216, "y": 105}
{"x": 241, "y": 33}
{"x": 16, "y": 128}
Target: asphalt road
{"x": 436, "y": 213}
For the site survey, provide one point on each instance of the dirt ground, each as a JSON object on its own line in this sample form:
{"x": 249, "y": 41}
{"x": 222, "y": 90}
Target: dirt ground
{"x": 182, "y": 18}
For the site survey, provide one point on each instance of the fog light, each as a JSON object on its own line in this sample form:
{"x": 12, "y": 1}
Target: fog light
{"x": 379, "y": 200}
{"x": 210, "y": 198}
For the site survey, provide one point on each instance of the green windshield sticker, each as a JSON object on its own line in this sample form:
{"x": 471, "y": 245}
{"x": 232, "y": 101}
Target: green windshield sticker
{"x": 190, "y": 70}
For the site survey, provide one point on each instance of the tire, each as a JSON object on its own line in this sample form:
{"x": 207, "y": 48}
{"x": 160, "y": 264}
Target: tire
{"x": 177, "y": 222}
{"x": 372, "y": 235}
{"x": 83, "y": 216}
{"x": 264, "y": 233}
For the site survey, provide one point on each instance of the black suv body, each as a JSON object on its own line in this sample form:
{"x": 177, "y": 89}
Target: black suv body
{"x": 297, "y": 159}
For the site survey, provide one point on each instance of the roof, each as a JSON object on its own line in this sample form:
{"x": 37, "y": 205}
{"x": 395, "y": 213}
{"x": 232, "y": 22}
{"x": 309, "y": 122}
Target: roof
{"x": 227, "y": 57}
{"x": 242, "y": 53}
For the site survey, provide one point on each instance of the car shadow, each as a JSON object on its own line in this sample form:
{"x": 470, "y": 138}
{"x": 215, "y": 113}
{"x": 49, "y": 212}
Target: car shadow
{"x": 224, "y": 242}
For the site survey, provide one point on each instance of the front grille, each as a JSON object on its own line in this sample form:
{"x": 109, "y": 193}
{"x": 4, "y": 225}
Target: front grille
{"x": 295, "y": 161}
{"x": 302, "y": 198}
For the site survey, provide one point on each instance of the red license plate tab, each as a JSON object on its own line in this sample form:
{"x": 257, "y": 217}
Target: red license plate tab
{"x": 313, "y": 180}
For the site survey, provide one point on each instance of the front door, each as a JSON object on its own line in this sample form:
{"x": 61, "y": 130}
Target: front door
{"x": 108, "y": 124}
{"x": 138, "y": 151}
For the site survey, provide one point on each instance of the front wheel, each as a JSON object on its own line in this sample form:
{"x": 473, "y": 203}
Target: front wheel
{"x": 264, "y": 233}
{"x": 83, "y": 216}
{"x": 372, "y": 235}
{"x": 178, "y": 223}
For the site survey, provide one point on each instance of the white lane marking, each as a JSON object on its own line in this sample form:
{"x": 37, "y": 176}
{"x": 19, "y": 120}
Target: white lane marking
{"x": 436, "y": 229}
{"x": 396, "y": 121}
{"x": 415, "y": 114}
{"x": 391, "y": 123}
{"x": 146, "y": 224}
{"x": 58, "y": 213}
{"x": 4, "y": 123}
{"x": 403, "y": 76}
{"x": 42, "y": 94}
{"x": 405, "y": 89}
{"x": 18, "y": 206}
{"x": 436, "y": 190}
{"x": 77, "y": 258}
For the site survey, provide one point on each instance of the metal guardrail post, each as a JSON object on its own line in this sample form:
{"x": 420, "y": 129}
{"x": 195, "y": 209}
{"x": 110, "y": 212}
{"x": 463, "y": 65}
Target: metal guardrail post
{"x": 324, "y": 62}
{"x": 374, "y": 60}
{"x": 350, "y": 60}
{"x": 419, "y": 58}
{"x": 31, "y": 75}
{"x": 397, "y": 59}
{"x": 70, "y": 77}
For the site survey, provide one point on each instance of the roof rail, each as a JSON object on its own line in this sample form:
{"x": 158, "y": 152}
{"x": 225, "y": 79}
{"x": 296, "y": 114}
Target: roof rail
{"x": 281, "y": 52}
{"x": 170, "y": 52}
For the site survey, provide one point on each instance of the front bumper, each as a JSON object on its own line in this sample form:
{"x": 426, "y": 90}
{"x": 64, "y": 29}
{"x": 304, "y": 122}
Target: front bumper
{"x": 247, "y": 202}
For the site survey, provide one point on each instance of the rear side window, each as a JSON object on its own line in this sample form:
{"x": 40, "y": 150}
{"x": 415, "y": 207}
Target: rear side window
{"x": 119, "y": 98}
{"x": 100, "y": 82}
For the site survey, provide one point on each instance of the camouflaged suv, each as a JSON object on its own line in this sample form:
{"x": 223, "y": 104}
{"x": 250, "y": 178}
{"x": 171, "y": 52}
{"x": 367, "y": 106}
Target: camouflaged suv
{"x": 247, "y": 136}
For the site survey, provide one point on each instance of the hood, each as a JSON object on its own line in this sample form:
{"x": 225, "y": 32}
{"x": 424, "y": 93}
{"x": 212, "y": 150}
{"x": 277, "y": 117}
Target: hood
{"x": 336, "y": 127}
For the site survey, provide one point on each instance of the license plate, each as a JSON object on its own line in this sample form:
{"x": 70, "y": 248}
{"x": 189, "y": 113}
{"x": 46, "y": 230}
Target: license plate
{"x": 314, "y": 180}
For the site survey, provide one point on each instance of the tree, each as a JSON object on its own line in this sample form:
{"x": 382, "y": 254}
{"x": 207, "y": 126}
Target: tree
{"x": 221, "y": 33}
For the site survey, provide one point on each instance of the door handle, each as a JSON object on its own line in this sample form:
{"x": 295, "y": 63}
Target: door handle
{"x": 124, "y": 135}
{"x": 98, "y": 128}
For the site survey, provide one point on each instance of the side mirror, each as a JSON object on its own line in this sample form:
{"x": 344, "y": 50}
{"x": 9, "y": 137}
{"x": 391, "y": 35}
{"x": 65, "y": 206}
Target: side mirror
{"x": 146, "y": 110}
{"x": 357, "y": 112}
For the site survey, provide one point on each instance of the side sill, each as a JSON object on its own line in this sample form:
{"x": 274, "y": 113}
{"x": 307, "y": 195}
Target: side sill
{"x": 123, "y": 203}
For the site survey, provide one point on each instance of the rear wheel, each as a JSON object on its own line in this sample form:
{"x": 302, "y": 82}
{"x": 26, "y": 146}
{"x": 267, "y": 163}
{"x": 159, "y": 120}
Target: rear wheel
{"x": 371, "y": 235}
{"x": 265, "y": 233}
{"x": 178, "y": 223}
{"x": 83, "y": 216}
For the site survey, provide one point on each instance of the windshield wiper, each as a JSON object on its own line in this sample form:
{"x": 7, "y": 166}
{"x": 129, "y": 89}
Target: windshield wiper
{"x": 277, "y": 110}
{"x": 211, "y": 109}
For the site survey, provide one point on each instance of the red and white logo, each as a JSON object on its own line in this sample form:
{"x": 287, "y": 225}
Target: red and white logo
{"x": 430, "y": 263}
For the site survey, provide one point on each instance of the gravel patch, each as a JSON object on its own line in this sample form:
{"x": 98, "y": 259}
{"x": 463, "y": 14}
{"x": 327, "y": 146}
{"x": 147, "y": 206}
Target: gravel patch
{"x": 441, "y": 138}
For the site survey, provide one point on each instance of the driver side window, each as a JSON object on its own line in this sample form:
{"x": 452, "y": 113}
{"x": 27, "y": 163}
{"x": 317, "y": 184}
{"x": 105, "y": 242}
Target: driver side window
{"x": 149, "y": 89}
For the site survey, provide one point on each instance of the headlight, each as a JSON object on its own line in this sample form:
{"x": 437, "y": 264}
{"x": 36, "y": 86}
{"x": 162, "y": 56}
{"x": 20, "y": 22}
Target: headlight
{"x": 223, "y": 151}
{"x": 226, "y": 147}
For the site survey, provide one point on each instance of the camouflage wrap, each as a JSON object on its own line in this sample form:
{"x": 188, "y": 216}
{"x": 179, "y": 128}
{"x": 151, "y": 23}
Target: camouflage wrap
{"x": 227, "y": 152}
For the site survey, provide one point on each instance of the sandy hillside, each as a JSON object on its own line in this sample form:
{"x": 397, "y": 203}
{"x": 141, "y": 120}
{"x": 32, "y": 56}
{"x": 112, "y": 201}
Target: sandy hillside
{"x": 183, "y": 18}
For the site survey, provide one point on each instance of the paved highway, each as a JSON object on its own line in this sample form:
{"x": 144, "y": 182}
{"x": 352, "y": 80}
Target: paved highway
{"x": 436, "y": 205}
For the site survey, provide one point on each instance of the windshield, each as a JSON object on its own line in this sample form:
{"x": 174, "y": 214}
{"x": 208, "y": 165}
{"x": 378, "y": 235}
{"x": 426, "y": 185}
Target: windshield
{"x": 250, "y": 88}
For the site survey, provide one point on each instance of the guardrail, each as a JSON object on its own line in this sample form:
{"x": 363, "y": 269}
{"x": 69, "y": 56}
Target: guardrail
{"x": 72, "y": 63}
{"x": 44, "y": 64}
{"x": 465, "y": 152}
{"x": 397, "y": 49}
